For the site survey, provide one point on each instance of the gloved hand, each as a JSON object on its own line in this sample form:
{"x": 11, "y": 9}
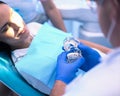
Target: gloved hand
{"x": 67, "y": 71}
{"x": 91, "y": 56}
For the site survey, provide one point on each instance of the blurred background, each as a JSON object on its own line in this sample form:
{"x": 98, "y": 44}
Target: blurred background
{"x": 82, "y": 20}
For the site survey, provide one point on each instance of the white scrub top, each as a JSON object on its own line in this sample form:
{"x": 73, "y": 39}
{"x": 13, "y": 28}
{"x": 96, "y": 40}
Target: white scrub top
{"x": 103, "y": 80}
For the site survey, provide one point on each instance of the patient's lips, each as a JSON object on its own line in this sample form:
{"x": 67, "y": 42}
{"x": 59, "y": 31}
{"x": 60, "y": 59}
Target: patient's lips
{"x": 23, "y": 32}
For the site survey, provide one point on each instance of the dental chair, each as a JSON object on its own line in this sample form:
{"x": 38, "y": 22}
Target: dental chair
{"x": 11, "y": 78}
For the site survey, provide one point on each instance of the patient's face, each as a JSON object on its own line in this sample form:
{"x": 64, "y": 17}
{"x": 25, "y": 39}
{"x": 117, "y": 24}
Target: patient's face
{"x": 13, "y": 30}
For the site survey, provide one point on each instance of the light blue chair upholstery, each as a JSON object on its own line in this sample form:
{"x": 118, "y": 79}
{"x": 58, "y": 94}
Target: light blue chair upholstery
{"x": 11, "y": 78}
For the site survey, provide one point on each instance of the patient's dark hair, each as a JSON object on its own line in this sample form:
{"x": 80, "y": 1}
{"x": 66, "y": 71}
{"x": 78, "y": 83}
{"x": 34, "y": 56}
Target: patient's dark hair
{"x": 1, "y": 2}
{"x": 3, "y": 46}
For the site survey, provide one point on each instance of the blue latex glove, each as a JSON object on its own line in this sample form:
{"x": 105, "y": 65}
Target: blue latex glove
{"x": 66, "y": 72}
{"x": 92, "y": 57}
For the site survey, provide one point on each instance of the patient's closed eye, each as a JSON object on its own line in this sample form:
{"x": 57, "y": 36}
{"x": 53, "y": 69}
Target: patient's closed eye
{"x": 5, "y": 28}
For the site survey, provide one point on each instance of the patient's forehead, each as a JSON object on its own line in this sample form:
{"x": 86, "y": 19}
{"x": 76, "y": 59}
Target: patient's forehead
{"x": 5, "y": 11}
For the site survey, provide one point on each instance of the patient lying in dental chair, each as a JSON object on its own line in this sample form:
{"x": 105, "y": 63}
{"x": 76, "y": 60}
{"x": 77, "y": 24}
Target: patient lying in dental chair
{"x": 34, "y": 48}
{"x": 38, "y": 65}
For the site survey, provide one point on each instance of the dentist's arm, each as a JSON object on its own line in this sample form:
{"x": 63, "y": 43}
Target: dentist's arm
{"x": 58, "y": 89}
{"x": 101, "y": 48}
{"x": 54, "y": 14}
